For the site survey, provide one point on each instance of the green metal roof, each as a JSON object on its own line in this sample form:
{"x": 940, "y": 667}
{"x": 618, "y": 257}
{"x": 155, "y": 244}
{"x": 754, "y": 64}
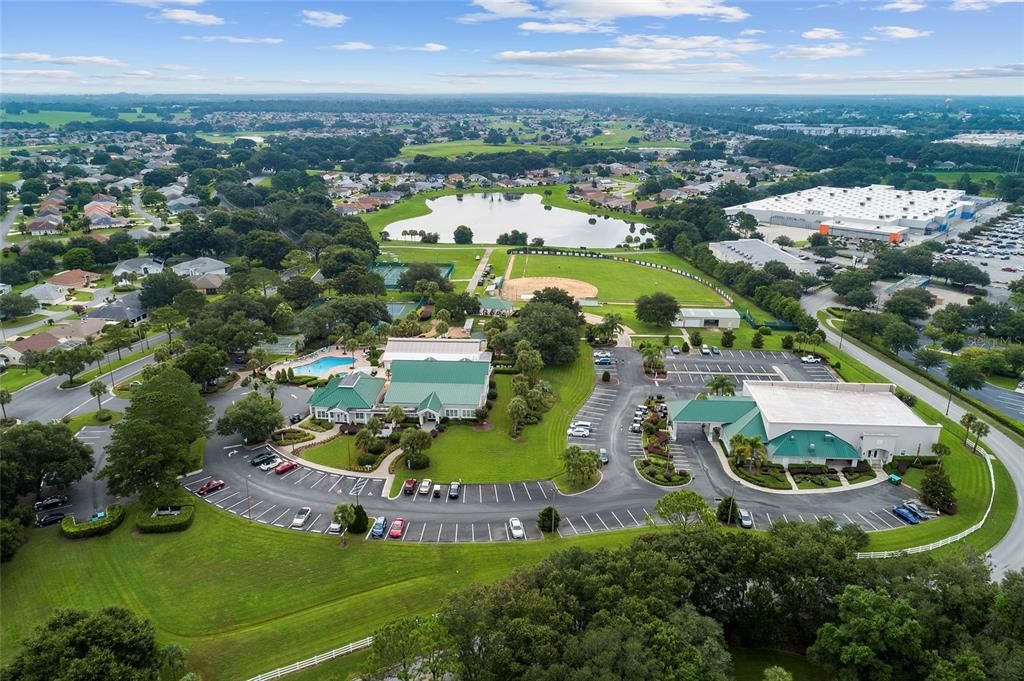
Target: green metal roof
{"x": 808, "y": 444}
{"x": 489, "y": 303}
{"x": 431, "y": 402}
{"x": 711, "y": 410}
{"x": 350, "y": 391}
{"x": 750, "y": 424}
{"x": 462, "y": 382}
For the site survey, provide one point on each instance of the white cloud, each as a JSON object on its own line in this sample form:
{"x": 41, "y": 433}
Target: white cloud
{"x": 619, "y": 59}
{"x": 322, "y": 19}
{"x": 752, "y": 31}
{"x": 903, "y": 6}
{"x": 427, "y": 47}
{"x": 602, "y": 11}
{"x": 695, "y": 45}
{"x": 140, "y": 73}
{"x": 530, "y": 75}
{"x": 896, "y": 76}
{"x": 900, "y": 32}
{"x": 190, "y": 16}
{"x": 822, "y": 34}
{"x": 233, "y": 40}
{"x": 564, "y": 27}
{"x": 175, "y": 67}
{"x": 158, "y": 3}
{"x": 816, "y": 52}
{"x": 352, "y": 46}
{"x": 45, "y": 58}
{"x": 975, "y": 5}
{"x": 37, "y": 73}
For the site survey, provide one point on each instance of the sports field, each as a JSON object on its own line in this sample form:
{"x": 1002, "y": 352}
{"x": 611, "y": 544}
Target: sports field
{"x": 618, "y": 282}
{"x": 463, "y": 257}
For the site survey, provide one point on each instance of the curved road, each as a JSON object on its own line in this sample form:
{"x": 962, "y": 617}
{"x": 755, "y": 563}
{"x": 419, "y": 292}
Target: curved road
{"x": 1008, "y": 554}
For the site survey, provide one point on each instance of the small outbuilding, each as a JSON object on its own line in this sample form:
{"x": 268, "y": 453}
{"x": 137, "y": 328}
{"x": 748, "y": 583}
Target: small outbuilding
{"x": 707, "y": 318}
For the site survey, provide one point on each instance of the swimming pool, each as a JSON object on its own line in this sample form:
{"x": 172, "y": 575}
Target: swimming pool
{"x": 323, "y": 366}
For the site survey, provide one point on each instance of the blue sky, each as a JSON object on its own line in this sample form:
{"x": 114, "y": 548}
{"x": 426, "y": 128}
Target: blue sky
{"x": 955, "y": 47}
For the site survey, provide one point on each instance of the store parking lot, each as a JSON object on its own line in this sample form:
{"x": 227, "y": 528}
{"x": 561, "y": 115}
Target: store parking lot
{"x": 743, "y": 365}
{"x": 453, "y": 532}
{"x": 488, "y": 493}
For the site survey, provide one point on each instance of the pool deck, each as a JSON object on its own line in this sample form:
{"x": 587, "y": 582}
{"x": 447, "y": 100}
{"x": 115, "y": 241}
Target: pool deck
{"x": 331, "y": 351}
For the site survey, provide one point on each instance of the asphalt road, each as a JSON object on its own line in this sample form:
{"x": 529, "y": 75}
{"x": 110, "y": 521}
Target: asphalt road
{"x": 1008, "y": 554}
{"x": 8, "y": 222}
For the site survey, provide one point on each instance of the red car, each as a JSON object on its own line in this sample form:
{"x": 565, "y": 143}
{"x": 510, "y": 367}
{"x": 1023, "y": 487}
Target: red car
{"x": 410, "y": 486}
{"x": 210, "y": 486}
{"x": 283, "y": 468}
{"x": 397, "y": 528}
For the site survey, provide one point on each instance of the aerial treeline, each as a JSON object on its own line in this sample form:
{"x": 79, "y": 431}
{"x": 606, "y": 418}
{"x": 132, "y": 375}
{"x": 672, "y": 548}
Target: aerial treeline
{"x": 518, "y": 162}
{"x": 669, "y": 605}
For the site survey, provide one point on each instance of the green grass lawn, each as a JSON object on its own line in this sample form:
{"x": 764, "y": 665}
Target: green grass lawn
{"x": 1005, "y": 382}
{"x": 464, "y": 147}
{"x": 744, "y": 338}
{"x": 250, "y": 588}
{"x": 16, "y": 378}
{"x": 137, "y": 115}
{"x": 53, "y": 119}
{"x": 565, "y": 486}
{"x": 628, "y": 313}
{"x": 950, "y": 177}
{"x": 618, "y": 282}
{"x": 27, "y": 319}
{"x": 9, "y": 176}
{"x": 463, "y": 257}
{"x": 89, "y": 419}
{"x": 474, "y": 454}
{"x": 499, "y": 259}
{"x": 335, "y": 453}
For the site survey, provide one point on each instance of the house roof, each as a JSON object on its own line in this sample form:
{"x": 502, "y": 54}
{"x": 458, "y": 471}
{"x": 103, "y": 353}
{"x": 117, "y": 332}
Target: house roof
{"x": 711, "y": 410}
{"x": 36, "y": 342}
{"x": 750, "y": 424}
{"x": 349, "y": 391}
{"x": 45, "y": 292}
{"x": 708, "y": 313}
{"x": 808, "y": 444}
{"x": 73, "y": 278}
{"x": 412, "y": 349}
{"x": 125, "y": 308}
{"x": 200, "y": 266}
{"x": 79, "y": 328}
{"x": 458, "y": 382}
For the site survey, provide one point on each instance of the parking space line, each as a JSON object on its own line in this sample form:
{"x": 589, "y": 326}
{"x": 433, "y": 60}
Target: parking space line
{"x": 456, "y": 533}
{"x": 438, "y": 540}
{"x": 235, "y": 504}
{"x": 584, "y": 518}
{"x": 223, "y": 499}
{"x": 335, "y": 484}
{"x": 881, "y": 520}
{"x": 849, "y": 519}
{"x": 423, "y": 531}
{"x": 489, "y": 537}
{"x": 617, "y": 519}
{"x": 635, "y": 521}
{"x": 308, "y": 473}
{"x": 199, "y": 482}
{"x": 801, "y": 517}
{"x": 512, "y": 492}
{"x": 481, "y": 490}
{"x": 527, "y": 490}
{"x": 272, "y": 507}
{"x": 569, "y": 520}
{"x": 648, "y": 516}
{"x": 274, "y": 521}
{"x": 318, "y": 517}
{"x": 770, "y": 523}
{"x": 286, "y": 474}
{"x": 472, "y": 533}
{"x": 602, "y": 521}
{"x": 322, "y": 478}
{"x": 508, "y": 537}
{"x": 785, "y": 518}
{"x": 495, "y": 493}
{"x": 873, "y": 527}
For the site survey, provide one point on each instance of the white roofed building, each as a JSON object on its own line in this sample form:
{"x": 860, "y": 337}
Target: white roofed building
{"x": 441, "y": 349}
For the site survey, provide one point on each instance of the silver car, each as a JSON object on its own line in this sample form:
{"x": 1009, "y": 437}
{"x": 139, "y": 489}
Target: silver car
{"x": 301, "y": 517}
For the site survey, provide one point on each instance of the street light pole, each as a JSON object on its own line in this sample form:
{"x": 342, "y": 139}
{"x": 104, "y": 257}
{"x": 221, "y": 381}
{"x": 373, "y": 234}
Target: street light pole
{"x": 248, "y": 500}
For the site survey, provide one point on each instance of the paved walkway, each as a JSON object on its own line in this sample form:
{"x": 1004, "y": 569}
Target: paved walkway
{"x": 475, "y": 280}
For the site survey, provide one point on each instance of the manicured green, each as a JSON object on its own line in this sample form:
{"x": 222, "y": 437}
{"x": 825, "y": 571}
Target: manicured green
{"x": 82, "y": 420}
{"x": 16, "y": 378}
{"x": 126, "y": 358}
{"x": 744, "y": 337}
{"x": 618, "y": 282}
{"x": 53, "y": 119}
{"x": 253, "y": 597}
{"x": 464, "y": 147}
{"x": 463, "y": 257}
{"x": 337, "y": 453}
{"x": 473, "y": 453}
{"x": 1005, "y": 382}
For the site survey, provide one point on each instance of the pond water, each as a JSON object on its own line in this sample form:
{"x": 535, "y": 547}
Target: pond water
{"x": 494, "y": 213}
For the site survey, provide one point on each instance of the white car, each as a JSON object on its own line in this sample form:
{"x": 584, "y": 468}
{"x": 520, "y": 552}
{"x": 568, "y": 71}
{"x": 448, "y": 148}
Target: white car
{"x": 301, "y": 517}
{"x": 425, "y": 486}
{"x": 516, "y": 527}
{"x": 810, "y": 359}
{"x": 602, "y": 354}
{"x": 334, "y": 528}
{"x": 271, "y": 464}
{"x": 635, "y": 427}
{"x": 579, "y": 432}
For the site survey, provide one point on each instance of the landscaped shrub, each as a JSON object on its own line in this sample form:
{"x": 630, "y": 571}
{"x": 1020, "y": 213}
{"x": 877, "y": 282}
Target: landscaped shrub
{"x": 492, "y": 384}
{"x": 765, "y": 331}
{"x": 757, "y": 341}
{"x": 360, "y": 522}
{"x": 376, "y": 447}
{"x": 366, "y": 459}
{"x": 684, "y": 347}
{"x": 418, "y": 462}
{"x": 787, "y": 342}
{"x": 394, "y": 437}
{"x": 433, "y": 433}
{"x": 548, "y": 519}
{"x": 493, "y": 394}
{"x": 147, "y": 524}
{"x": 481, "y": 414}
{"x": 606, "y": 376}
{"x": 75, "y": 530}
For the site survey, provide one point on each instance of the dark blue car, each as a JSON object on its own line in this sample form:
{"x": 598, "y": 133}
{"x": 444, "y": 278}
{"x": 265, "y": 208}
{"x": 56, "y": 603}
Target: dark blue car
{"x": 916, "y": 511}
{"x": 380, "y": 526}
{"x": 905, "y": 515}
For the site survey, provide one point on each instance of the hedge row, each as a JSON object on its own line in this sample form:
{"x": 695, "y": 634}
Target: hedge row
{"x": 72, "y": 529}
{"x": 147, "y": 524}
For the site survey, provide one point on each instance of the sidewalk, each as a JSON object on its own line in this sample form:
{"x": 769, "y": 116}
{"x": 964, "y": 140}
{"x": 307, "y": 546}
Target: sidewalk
{"x": 375, "y": 473}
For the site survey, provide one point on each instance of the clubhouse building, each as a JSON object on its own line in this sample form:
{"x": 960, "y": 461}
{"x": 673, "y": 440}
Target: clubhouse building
{"x": 836, "y": 424}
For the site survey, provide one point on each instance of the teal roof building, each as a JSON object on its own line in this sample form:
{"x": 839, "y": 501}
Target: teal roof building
{"x": 347, "y": 398}
{"x": 434, "y": 389}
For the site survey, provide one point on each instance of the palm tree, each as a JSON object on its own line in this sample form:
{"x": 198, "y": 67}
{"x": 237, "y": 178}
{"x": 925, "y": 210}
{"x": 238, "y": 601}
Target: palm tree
{"x": 611, "y": 326}
{"x": 351, "y": 345}
{"x": 141, "y": 331}
{"x": 375, "y": 425}
{"x": 258, "y": 358}
{"x": 980, "y": 430}
{"x": 364, "y": 438}
{"x": 651, "y": 354}
{"x": 98, "y": 389}
{"x": 5, "y": 399}
{"x": 967, "y": 421}
{"x": 394, "y": 415}
{"x": 722, "y": 385}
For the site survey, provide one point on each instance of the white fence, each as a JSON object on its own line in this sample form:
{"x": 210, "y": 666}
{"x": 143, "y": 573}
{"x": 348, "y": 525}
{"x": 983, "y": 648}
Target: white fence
{"x": 313, "y": 661}
{"x": 948, "y": 540}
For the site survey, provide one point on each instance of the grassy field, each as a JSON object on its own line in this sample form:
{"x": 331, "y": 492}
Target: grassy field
{"x": 744, "y": 337}
{"x": 6, "y": 150}
{"x": 10, "y": 176}
{"x": 618, "y": 282}
{"x": 16, "y": 378}
{"x": 137, "y": 115}
{"x": 250, "y": 588}
{"x": 89, "y": 419}
{"x": 53, "y": 119}
{"x": 1005, "y": 382}
{"x": 463, "y": 257}
{"x": 473, "y": 454}
{"x": 628, "y": 313}
{"x": 338, "y": 453}
{"x": 464, "y": 147}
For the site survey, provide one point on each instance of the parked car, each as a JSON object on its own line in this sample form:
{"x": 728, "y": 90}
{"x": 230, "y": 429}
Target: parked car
{"x": 515, "y": 526}
{"x": 746, "y": 519}
{"x": 380, "y": 526}
{"x": 810, "y": 359}
{"x": 715, "y": 350}
{"x": 397, "y": 528}
{"x": 454, "y": 490}
{"x": 676, "y": 350}
{"x": 47, "y": 519}
{"x": 425, "y": 486}
{"x": 295, "y": 418}
{"x": 605, "y": 361}
{"x": 905, "y": 515}
{"x": 334, "y": 528}
{"x": 50, "y": 502}
{"x": 919, "y": 513}
{"x": 602, "y": 454}
{"x": 262, "y": 458}
{"x": 602, "y": 354}
{"x": 705, "y": 350}
{"x": 270, "y": 464}
{"x": 410, "y": 486}
{"x": 285, "y": 466}
{"x": 634, "y": 427}
{"x": 210, "y": 486}
{"x": 437, "y": 491}
{"x": 579, "y": 432}
{"x": 301, "y": 517}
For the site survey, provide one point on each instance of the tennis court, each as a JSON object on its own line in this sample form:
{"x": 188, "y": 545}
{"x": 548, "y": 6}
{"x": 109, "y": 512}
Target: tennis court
{"x": 391, "y": 271}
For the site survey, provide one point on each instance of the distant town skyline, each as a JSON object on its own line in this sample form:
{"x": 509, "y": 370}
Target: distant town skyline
{"x": 953, "y": 47}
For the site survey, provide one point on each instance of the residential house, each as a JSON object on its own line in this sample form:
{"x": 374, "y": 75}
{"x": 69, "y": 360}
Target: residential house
{"x": 74, "y": 279}
{"x": 80, "y": 330}
{"x": 183, "y": 203}
{"x": 208, "y": 283}
{"x": 125, "y": 309}
{"x": 48, "y": 294}
{"x": 140, "y": 267}
{"x": 347, "y": 398}
{"x": 14, "y": 351}
{"x": 200, "y": 266}
{"x": 48, "y": 224}
{"x": 430, "y": 389}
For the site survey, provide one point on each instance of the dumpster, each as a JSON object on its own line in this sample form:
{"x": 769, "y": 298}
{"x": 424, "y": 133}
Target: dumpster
{"x": 895, "y": 479}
